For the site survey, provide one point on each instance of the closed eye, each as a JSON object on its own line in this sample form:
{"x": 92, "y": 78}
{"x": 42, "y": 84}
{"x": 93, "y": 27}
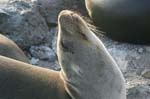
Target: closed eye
{"x": 67, "y": 47}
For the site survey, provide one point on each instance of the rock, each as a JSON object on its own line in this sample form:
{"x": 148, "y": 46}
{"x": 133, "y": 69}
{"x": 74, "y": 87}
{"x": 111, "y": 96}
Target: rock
{"x": 121, "y": 61}
{"x": 34, "y": 61}
{"x": 139, "y": 92}
{"x": 52, "y": 35}
{"x": 50, "y": 65}
{"x": 146, "y": 73}
{"x": 51, "y": 8}
{"x": 147, "y": 48}
{"x": 46, "y": 64}
{"x": 130, "y": 58}
{"x": 43, "y": 53}
{"x": 140, "y": 50}
{"x": 25, "y": 25}
{"x": 54, "y": 41}
{"x": 3, "y": 16}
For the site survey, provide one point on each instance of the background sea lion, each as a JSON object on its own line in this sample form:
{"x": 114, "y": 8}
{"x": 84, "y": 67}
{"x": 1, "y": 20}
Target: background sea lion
{"x": 122, "y": 20}
{"x": 9, "y": 49}
{"x": 87, "y": 67}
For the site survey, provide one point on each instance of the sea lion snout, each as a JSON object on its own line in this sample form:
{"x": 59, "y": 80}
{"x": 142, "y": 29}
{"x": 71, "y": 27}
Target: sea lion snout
{"x": 65, "y": 14}
{"x": 71, "y": 25}
{"x": 69, "y": 17}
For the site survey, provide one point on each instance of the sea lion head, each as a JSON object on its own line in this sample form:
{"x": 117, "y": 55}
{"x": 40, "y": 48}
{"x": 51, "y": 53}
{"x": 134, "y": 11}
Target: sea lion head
{"x": 77, "y": 44}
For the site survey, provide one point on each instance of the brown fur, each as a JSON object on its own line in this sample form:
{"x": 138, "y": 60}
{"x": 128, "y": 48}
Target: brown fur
{"x": 19, "y": 80}
{"x": 9, "y": 49}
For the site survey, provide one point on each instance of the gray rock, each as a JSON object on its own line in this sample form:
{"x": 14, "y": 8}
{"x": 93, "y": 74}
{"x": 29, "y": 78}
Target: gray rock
{"x": 140, "y": 50}
{"x": 146, "y": 73}
{"x": 147, "y": 48}
{"x": 3, "y": 16}
{"x": 25, "y": 25}
{"x": 43, "y": 53}
{"x": 51, "y": 37}
{"x": 54, "y": 41}
{"x": 50, "y": 65}
{"x": 46, "y": 64}
{"x": 139, "y": 92}
{"x": 51, "y": 8}
{"x": 130, "y": 58}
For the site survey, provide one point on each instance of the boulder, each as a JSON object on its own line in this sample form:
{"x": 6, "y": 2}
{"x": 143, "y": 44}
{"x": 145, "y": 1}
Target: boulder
{"x": 24, "y": 24}
{"x": 43, "y": 53}
{"x": 50, "y": 9}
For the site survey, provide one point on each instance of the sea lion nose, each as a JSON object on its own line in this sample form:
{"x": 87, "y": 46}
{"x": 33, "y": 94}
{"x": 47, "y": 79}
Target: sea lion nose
{"x": 64, "y": 15}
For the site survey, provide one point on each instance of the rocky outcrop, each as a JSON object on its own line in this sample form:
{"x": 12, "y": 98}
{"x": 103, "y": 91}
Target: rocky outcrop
{"x": 24, "y": 23}
{"x": 50, "y": 9}
{"x": 44, "y": 56}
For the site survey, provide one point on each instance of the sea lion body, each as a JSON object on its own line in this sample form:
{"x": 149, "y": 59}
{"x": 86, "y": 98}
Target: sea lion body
{"x": 9, "y": 49}
{"x": 19, "y": 80}
{"x": 122, "y": 20}
{"x": 87, "y": 67}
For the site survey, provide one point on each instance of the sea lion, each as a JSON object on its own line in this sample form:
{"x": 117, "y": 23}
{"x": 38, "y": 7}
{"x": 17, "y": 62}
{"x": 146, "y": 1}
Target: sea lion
{"x": 88, "y": 69}
{"x": 20, "y": 80}
{"x": 9, "y": 49}
{"x": 122, "y": 20}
